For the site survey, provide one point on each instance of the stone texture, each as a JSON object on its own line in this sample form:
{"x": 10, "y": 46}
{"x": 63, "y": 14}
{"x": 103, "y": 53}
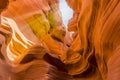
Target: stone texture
{"x": 35, "y": 21}
{"x": 98, "y": 29}
{"x": 91, "y": 52}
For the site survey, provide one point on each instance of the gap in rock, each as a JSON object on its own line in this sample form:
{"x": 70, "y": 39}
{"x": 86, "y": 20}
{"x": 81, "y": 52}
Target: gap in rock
{"x": 66, "y": 12}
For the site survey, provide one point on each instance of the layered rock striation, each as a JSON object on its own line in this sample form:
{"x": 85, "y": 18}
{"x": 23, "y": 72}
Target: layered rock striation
{"x": 88, "y": 50}
{"x": 97, "y": 25}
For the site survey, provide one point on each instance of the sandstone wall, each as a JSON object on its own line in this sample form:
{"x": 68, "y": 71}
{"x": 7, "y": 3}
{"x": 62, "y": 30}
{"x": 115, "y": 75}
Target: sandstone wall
{"x": 97, "y": 24}
{"x": 91, "y": 53}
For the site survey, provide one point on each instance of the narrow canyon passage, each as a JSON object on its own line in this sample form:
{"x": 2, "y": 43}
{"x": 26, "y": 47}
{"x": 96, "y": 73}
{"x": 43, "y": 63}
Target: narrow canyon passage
{"x": 66, "y": 12}
{"x": 59, "y": 39}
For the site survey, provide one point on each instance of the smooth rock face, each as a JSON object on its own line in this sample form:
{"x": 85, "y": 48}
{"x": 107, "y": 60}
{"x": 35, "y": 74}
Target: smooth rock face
{"x": 45, "y": 50}
{"x": 22, "y": 41}
{"x": 98, "y": 29}
{"x": 39, "y": 15}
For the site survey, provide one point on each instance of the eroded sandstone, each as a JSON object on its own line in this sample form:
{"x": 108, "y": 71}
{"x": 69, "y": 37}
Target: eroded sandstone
{"x": 54, "y": 54}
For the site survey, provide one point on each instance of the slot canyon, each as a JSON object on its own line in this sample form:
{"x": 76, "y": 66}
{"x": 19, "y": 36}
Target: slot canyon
{"x": 36, "y": 43}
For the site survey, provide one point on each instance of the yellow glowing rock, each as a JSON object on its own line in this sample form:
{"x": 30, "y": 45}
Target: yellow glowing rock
{"x": 39, "y": 25}
{"x": 90, "y": 54}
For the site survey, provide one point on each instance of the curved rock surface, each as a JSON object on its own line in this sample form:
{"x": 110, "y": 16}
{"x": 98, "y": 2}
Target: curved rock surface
{"x": 98, "y": 29}
{"x": 50, "y": 52}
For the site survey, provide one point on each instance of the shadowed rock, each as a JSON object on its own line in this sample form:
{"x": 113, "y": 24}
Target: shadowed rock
{"x": 91, "y": 53}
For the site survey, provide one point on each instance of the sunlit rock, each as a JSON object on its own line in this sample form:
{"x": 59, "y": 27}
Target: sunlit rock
{"x": 98, "y": 29}
{"x": 88, "y": 50}
{"x": 24, "y": 56}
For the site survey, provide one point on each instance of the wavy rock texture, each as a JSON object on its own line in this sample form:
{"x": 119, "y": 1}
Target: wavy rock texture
{"x": 98, "y": 29}
{"x": 24, "y": 57}
{"x": 40, "y": 15}
{"x": 91, "y": 53}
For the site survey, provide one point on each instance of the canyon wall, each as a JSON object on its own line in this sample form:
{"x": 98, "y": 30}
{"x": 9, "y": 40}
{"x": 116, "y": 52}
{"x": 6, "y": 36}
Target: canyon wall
{"x": 97, "y": 25}
{"x": 90, "y": 52}
{"x": 26, "y": 42}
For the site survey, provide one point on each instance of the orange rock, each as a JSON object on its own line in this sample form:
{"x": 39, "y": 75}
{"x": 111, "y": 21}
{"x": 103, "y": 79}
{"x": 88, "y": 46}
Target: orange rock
{"x": 91, "y": 54}
{"x": 98, "y": 28}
